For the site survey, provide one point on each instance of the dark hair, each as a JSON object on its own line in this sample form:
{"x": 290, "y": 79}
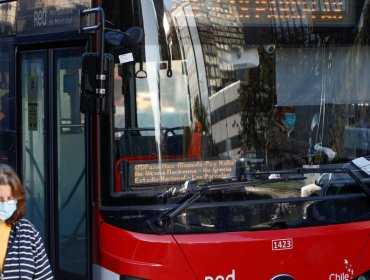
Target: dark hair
{"x": 9, "y": 177}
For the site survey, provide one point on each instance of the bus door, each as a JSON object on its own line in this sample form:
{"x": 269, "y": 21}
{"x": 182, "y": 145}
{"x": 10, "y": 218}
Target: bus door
{"x": 52, "y": 154}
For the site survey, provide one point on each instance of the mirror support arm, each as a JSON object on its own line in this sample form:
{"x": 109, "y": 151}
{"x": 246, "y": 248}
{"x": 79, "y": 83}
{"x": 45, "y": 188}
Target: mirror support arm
{"x": 101, "y": 27}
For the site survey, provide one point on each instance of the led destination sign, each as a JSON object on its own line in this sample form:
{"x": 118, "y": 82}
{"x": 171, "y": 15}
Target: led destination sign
{"x": 149, "y": 173}
{"x": 320, "y": 13}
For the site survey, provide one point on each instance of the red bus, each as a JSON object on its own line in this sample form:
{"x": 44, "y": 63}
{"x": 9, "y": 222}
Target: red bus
{"x": 185, "y": 139}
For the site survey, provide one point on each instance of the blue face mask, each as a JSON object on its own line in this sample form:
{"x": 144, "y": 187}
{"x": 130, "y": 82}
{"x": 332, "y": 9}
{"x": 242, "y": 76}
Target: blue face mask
{"x": 289, "y": 120}
{"x": 7, "y": 209}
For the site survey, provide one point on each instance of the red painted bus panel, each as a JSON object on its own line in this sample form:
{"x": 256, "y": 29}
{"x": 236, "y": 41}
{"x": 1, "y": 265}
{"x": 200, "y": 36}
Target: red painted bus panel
{"x": 313, "y": 253}
{"x": 365, "y": 259}
{"x": 327, "y": 252}
{"x": 148, "y": 256}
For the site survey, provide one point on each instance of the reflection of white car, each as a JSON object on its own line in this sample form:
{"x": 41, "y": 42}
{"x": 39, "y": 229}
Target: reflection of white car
{"x": 331, "y": 184}
{"x": 319, "y": 183}
{"x": 274, "y": 176}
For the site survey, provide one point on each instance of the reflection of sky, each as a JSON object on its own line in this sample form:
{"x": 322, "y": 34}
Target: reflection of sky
{"x": 168, "y": 4}
{"x": 168, "y": 119}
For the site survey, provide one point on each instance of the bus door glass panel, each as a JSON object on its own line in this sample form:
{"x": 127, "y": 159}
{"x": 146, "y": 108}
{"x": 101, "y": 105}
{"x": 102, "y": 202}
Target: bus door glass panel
{"x": 7, "y": 104}
{"x": 71, "y": 164}
{"x": 33, "y": 135}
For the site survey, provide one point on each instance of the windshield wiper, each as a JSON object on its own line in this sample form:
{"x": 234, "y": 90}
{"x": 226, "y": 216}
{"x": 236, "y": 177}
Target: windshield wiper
{"x": 191, "y": 185}
{"x": 185, "y": 203}
{"x": 193, "y": 191}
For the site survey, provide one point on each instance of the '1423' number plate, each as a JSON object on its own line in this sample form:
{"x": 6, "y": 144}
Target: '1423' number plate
{"x": 282, "y": 244}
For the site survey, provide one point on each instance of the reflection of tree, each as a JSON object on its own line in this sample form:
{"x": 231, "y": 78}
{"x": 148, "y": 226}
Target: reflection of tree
{"x": 260, "y": 136}
{"x": 257, "y": 101}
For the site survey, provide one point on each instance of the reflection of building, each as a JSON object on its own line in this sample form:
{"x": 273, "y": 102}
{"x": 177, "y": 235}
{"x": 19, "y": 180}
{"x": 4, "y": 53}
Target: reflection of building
{"x": 220, "y": 34}
{"x": 191, "y": 50}
{"x": 212, "y": 31}
{"x": 7, "y": 18}
{"x": 224, "y": 27}
{"x": 209, "y": 33}
{"x": 225, "y": 116}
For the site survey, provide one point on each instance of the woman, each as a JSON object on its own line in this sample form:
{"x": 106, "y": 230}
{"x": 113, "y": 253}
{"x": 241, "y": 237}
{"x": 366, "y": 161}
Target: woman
{"x": 22, "y": 253}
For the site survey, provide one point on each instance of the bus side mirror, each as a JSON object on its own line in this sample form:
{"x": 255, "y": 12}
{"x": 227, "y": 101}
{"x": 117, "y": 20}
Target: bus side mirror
{"x": 96, "y": 87}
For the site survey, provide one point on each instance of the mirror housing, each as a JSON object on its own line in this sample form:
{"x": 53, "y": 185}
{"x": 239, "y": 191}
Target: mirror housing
{"x": 97, "y": 89}
{"x": 132, "y": 37}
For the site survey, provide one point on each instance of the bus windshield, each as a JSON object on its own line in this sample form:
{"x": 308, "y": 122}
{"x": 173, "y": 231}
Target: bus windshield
{"x": 232, "y": 93}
